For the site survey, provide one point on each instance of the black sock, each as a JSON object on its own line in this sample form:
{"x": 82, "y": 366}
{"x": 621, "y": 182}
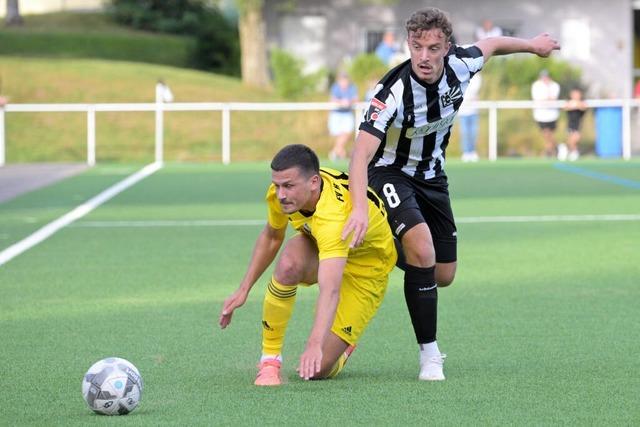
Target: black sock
{"x": 421, "y": 295}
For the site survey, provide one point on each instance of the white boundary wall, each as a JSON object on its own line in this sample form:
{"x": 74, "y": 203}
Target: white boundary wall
{"x": 493, "y": 108}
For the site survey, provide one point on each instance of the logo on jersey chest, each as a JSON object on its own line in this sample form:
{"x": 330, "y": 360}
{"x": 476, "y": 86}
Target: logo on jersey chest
{"x": 305, "y": 228}
{"x": 451, "y": 96}
{"x": 436, "y": 126}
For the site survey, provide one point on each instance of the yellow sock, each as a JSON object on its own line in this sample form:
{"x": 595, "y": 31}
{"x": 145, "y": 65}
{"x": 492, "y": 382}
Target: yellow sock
{"x": 276, "y": 312}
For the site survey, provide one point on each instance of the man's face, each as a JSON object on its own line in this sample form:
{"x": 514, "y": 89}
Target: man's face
{"x": 428, "y": 49}
{"x": 295, "y": 191}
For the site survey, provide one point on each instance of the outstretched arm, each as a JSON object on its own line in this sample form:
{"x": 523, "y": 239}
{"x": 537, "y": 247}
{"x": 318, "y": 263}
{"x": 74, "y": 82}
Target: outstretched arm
{"x": 541, "y": 45}
{"x": 357, "y": 223}
{"x": 329, "y": 280}
{"x": 264, "y": 252}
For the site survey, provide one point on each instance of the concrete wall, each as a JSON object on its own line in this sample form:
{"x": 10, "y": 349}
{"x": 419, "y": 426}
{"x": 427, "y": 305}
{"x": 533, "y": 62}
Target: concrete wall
{"x": 598, "y": 39}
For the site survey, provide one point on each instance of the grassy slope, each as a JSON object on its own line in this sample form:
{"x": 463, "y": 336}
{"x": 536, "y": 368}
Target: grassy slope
{"x": 129, "y": 136}
{"x": 52, "y": 59}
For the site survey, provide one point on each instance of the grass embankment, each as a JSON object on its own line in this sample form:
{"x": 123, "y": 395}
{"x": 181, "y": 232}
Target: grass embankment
{"x": 86, "y": 58}
{"x": 130, "y": 136}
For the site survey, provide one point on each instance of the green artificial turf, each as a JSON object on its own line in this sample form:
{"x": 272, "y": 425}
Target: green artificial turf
{"x": 540, "y": 327}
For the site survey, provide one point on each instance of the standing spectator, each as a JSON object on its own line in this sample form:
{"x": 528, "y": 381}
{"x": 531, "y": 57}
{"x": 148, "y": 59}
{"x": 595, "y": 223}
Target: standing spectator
{"x": 387, "y": 48}
{"x": 487, "y": 30}
{"x": 163, "y": 92}
{"x": 341, "y": 121}
{"x": 575, "y": 108}
{"x": 545, "y": 89}
{"x": 469, "y": 120}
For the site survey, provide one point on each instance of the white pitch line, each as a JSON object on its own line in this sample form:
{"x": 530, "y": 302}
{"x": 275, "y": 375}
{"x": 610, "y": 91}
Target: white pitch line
{"x": 172, "y": 223}
{"x": 80, "y": 211}
{"x": 252, "y": 222}
{"x": 548, "y": 218}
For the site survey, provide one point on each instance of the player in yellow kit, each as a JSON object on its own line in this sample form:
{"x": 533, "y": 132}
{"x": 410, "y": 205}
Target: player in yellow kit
{"x": 352, "y": 282}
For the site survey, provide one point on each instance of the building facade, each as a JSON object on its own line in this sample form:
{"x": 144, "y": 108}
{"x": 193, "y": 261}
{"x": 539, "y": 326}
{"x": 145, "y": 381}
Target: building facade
{"x": 600, "y": 40}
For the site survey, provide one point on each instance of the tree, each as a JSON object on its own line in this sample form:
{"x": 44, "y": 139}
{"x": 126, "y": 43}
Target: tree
{"x": 13, "y": 13}
{"x": 253, "y": 46}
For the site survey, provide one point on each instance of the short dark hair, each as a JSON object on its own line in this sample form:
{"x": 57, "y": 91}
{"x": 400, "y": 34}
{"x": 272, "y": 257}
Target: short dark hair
{"x": 296, "y": 155}
{"x": 428, "y": 19}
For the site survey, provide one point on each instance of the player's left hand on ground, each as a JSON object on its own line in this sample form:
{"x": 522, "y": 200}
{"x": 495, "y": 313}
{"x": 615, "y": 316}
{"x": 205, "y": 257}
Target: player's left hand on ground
{"x": 310, "y": 362}
{"x": 236, "y": 300}
{"x": 544, "y": 44}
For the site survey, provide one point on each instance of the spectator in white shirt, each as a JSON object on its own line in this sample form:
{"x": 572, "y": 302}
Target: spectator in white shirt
{"x": 545, "y": 89}
{"x": 487, "y": 30}
{"x": 163, "y": 92}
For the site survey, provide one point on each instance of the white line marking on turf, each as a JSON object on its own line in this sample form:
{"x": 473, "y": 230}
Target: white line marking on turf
{"x": 251, "y": 222}
{"x": 172, "y": 223}
{"x": 80, "y": 211}
{"x": 548, "y": 218}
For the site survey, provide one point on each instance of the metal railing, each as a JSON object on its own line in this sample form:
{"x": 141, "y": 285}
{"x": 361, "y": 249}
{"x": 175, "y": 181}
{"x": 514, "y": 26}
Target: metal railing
{"x": 227, "y": 107}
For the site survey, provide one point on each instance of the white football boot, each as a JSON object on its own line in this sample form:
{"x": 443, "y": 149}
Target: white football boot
{"x": 431, "y": 368}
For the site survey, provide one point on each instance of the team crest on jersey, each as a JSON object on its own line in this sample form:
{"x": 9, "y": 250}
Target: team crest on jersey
{"x": 452, "y": 95}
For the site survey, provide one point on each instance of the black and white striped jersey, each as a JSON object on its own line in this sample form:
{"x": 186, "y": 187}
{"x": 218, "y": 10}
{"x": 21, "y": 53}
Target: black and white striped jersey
{"x": 413, "y": 119}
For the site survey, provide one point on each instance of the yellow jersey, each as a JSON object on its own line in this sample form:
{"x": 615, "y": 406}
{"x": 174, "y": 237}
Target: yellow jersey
{"x": 377, "y": 254}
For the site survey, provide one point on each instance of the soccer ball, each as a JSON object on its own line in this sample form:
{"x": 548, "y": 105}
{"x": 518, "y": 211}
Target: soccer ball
{"x": 112, "y": 386}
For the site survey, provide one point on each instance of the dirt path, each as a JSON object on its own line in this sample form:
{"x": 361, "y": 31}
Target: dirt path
{"x": 22, "y": 178}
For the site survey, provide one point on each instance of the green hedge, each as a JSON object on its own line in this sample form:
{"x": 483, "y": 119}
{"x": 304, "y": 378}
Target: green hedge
{"x": 156, "y": 49}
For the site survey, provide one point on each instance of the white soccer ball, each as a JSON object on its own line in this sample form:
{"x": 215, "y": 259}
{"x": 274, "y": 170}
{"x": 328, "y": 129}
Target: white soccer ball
{"x": 112, "y": 386}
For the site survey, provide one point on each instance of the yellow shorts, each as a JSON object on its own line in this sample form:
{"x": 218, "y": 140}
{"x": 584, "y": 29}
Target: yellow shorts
{"x": 360, "y": 298}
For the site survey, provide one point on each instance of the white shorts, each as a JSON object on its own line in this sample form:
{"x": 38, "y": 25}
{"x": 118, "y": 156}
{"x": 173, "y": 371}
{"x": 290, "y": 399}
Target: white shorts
{"x": 340, "y": 122}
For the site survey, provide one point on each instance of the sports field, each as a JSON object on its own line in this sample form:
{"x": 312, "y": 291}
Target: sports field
{"x": 541, "y": 326}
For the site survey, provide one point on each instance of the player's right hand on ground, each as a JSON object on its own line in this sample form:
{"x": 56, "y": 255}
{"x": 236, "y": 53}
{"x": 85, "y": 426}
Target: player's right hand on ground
{"x": 357, "y": 223}
{"x": 236, "y": 300}
{"x": 310, "y": 362}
